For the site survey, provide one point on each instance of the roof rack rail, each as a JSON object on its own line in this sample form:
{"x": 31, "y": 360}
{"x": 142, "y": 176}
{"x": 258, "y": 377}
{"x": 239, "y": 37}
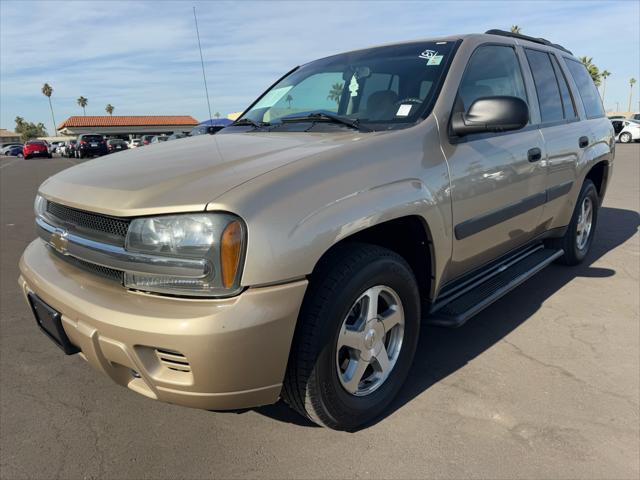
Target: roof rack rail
{"x": 543, "y": 41}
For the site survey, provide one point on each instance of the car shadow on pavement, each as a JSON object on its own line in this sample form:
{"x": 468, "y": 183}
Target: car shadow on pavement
{"x": 443, "y": 351}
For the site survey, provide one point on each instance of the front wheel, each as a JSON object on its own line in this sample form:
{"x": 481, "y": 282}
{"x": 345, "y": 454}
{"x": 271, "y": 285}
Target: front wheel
{"x": 625, "y": 137}
{"x": 356, "y": 337}
{"x": 579, "y": 236}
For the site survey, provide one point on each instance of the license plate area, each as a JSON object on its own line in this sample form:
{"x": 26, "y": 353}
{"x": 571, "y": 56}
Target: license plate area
{"x": 50, "y": 322}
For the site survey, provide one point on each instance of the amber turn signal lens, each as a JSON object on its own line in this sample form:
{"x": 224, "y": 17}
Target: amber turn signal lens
{"x": 230, "y": 249}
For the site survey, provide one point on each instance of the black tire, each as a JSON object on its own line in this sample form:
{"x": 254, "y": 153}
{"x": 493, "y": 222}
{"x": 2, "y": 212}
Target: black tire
{"x": 625, "y": 137}
{"x": 573, "y": 255}
{"x": 311, "y": 385}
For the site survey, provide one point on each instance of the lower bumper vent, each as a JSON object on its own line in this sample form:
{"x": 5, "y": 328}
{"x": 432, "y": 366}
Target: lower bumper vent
{"x": 173, "y": 360}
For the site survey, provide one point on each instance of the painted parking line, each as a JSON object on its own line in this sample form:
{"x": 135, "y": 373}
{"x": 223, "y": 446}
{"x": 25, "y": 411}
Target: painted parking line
{"x": 8, "y": 163}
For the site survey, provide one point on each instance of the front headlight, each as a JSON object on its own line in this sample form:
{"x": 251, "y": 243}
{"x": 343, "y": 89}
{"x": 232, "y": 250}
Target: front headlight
{"x": 219, "y": 238}
{"x": 39, "y": 205}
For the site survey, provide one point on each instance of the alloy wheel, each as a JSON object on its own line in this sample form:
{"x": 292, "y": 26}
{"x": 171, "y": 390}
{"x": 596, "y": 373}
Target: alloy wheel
{"x": 585, "y": 221}
{"x": 370, "y": 340}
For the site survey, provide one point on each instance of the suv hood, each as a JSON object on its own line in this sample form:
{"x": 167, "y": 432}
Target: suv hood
{"x": 182, "y": 175}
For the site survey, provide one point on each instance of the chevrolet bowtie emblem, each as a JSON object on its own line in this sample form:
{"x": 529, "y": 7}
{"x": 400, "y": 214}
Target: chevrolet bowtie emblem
{"x": 58, "y": 240}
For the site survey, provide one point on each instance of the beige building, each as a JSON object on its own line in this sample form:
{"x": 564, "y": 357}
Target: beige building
{"x": 7, "y": 136}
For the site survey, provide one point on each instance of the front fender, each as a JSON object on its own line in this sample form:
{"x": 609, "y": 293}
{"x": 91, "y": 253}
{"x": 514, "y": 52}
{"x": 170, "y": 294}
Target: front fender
{"x": 296, "y": 214}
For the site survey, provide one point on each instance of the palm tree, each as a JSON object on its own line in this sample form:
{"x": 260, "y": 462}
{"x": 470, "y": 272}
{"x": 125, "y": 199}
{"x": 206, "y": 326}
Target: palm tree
{"x": 632, "y": 81}
{"x": 516, "y": 29}
{"x": 83, "y": 103}
{"x": 336, "y": 92}
{"x": 592, "y": 69}
{"x": 604, "y": 75}
{"x": 109, "y": 109}
{"x": 289, "y": 99}
{"x": 47, "y": 91}
{"x": 217, "y": 115}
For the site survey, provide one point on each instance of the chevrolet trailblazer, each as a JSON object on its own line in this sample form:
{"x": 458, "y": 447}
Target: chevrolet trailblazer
{"x": 295, "y": 253}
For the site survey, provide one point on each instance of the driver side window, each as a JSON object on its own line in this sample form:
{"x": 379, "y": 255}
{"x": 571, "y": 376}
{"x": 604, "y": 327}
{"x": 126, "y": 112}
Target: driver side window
{"x": 492, "y": 70}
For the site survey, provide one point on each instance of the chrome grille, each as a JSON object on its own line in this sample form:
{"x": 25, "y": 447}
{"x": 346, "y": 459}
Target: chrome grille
{"x": 104, "y": 272}
{"x": 93, "y": 224}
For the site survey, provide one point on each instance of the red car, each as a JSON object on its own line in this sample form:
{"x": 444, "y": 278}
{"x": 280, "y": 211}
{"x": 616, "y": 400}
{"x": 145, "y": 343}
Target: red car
{"x": 35, "y": 148}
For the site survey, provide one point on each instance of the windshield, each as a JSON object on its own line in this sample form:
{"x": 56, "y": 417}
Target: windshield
{"x": 383, "y": 87}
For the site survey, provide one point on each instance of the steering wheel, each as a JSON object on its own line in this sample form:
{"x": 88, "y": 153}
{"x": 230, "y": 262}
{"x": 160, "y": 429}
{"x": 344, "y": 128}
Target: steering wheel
{"x": 414, "y": 100}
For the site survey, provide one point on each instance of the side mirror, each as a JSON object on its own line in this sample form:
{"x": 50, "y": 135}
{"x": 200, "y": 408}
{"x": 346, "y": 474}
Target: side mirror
{"x": 491, "y": 114}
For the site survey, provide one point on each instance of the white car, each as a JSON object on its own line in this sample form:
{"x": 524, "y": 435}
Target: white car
{"x": 627, "y": 131}
{"x": 134, "y": 143}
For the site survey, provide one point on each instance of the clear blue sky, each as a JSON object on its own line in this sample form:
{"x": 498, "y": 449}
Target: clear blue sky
{"x": 142, "y": 57}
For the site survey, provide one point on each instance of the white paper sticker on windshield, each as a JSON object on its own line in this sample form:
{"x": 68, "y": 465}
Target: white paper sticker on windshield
{"x": 427, "y": 54}
{"x": 403, "y": 110}
{"x": 272, "y": 97}
{"x": 435, "y": 60}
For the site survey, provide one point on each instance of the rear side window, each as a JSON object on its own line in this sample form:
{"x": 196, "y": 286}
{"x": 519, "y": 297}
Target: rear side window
{"x": 492, "y": 70}
{"x": 546, "y": 86}
{"x": 92, "y": 138}
{"x": 567, "y": 103}
{"x": 586, "y": 88}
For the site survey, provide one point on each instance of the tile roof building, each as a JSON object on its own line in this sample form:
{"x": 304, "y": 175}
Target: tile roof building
{"x": 7, "y": 136}
{"x": 127, "y": 125}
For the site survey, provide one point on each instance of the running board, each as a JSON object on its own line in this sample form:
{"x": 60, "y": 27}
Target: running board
{"x": 458, "y": 304}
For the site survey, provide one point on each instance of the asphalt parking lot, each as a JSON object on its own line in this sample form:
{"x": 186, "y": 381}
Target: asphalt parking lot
{"x": 543, "y": 384}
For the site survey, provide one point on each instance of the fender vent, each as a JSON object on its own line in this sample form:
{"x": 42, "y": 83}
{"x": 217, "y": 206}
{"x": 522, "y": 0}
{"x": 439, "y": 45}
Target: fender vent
{"x": 173, "y": 360}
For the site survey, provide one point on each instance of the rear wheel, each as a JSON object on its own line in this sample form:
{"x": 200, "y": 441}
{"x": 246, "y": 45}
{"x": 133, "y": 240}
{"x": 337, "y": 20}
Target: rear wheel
{"x": 356, "y": 337}
{"x": 625, "y": 137}
{"x": 579, "y": 236}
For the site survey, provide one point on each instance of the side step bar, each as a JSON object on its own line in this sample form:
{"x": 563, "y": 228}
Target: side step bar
{"x": 459, "y": 303}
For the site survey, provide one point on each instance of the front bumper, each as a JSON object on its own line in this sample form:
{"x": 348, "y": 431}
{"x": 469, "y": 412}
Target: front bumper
{"x": 213, "y": 354}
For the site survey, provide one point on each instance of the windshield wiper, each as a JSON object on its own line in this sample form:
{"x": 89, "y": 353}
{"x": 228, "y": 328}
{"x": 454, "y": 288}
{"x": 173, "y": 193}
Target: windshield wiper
{"x": 325, "y": 117}
{"x": 247, "y": 121}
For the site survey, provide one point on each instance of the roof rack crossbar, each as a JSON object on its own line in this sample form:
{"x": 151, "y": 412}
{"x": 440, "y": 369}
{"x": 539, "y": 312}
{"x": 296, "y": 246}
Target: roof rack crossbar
{"x": 542, "y": 41}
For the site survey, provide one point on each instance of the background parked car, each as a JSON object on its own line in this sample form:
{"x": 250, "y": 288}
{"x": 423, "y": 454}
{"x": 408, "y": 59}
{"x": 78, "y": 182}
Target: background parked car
{"x": 89, "y": 145}
{"x": 6, "y": 147}
{"x": 146, "y": 139}
{"x": 54, "y": 147}
{"x": 176, "y": 135}
{"x": 205, "y": 129}
{"x": 159, "y": 138}
{"x": 36, "y": 148}
{"x": 626, "y": 130}
{"x": 13, "y": 151}
{"x": 69, "y": 148}
{"x": 116, "y": 145}
{"x": 135, "y": 143}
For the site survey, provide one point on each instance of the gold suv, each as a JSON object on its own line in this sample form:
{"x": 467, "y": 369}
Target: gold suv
{"x": 295, "y": 253}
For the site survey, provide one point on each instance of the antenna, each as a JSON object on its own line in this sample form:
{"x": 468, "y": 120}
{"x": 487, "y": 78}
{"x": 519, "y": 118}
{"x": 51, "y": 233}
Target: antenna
{"x": 204, "y": 77}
